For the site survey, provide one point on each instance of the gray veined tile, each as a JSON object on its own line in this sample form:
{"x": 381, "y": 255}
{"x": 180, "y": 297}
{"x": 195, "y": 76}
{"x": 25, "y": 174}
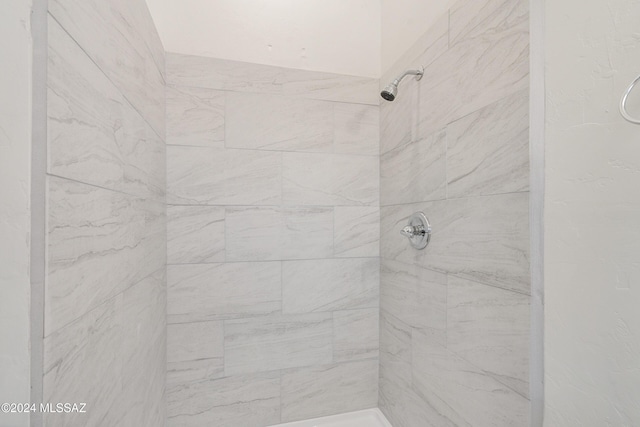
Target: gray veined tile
{"x": 195, "y": 234}
{"x": 99, "y": 242}
{"x": 471, "y": 18}
{"x": 237, "y": 76}
{"x": 356, "y": 231}
{"x": 202, "y": 292}
{"x": 210, "y": 176}
{"x": 274, "y": 122}
{"x": 357, "y": 129}
{"x": 488, "y": 151}
{"x": 462, "y": 392}
{"x": 248, "y": 400}
{"x": 329, "y": 389}
{"x": 144, "y": 349}
{"x": 330, "y": 180}
{"x": 195, "y": 116}
{"x": 270, "y": 233}
{"x": 485, "y": 239}
{"x": 94, "y": 134}
{"x": 395, "y": 351}
{"x": 307, "y": 179}
{"x": 416, "y": 296}
{"x": 195, "y": 351}
{"x": 195, "y": 341}
{"x": 111, "y": 34}
{"x": 307, "y": 233}
{"x": 414, "y": 172}
{"x": 253, "y": 233}
{"x": 88, "y": 347}
{"x": 355, "y": 334}
{"x": 398, "y": 400}
{"x": 398, "y": 119}
{"x": 474, "y": 73}
{"x": 277, "y": 342}
{"x": 489, "y": 327}
{"x": 329, "y": 284}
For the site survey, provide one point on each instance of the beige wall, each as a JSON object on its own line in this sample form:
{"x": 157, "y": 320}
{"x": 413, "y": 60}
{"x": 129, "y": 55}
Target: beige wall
{"x": 592, "y": 206}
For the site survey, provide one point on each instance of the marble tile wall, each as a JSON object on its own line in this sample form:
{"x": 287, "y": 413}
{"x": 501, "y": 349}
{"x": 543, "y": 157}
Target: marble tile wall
{"x": 454, "y": 323}
{"x": 105, "y": 288}
{"x": 273, "y": 243}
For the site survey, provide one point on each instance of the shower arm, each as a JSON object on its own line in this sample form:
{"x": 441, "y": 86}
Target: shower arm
{"x": 417, "y": 73}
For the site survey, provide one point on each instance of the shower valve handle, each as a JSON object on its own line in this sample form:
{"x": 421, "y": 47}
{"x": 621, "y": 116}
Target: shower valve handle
{"x": 418, "y": 231}
{"x": 413, "y": 231}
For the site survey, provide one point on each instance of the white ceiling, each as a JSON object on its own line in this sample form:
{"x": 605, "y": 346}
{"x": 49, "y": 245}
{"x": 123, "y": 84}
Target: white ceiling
{"x": 356, "y": 37}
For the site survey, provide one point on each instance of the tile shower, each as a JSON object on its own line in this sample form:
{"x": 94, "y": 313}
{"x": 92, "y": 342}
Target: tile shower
{"x": 223, "y": 241}
{"x": 273, "y": 243}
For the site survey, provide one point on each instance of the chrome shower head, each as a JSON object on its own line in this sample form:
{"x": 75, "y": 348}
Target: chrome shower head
{"x": 391, "y": 91}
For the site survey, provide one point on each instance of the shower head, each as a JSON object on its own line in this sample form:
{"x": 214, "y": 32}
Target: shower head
{"x": 391, "y": 91}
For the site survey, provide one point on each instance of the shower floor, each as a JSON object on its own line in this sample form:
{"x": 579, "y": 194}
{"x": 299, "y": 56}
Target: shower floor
{"x": 366, "y": 418}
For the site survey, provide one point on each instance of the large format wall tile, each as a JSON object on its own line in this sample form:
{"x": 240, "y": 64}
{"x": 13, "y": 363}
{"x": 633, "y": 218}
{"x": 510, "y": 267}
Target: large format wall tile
{"x": 462, "y": 392}
{"x": 195, "y": 116}
{"x": 109, "y": 33}
{"x": 489, "y": 327}
{"x": 210, "y": 176}
{"x": 195, "y": 351}
{"x": 105, "y": 287}
{"x": 197, "y": 71}
{"x": 248, "y": 401}
{"x": 329, "y": 389}
{"x": 195, "y": 341}
{"x": 86, "y": 348}
{"x": 195, "y": 234}
{"x": 473, "y": 18}
{"x": 474, "y": 73}
{"x": 398, "y": 119}
{"x": 271, "y": 122}
{"x": 118, "y": 348}
{"x": 277, "y": 342}
{"x": 488, "y": 151}
{"x": 356, "y": 129}
{"x": 395, "y": 350}
{"x": 355, "y": 334}
{"x": 200, "y": 292}
{"x": 100, "y": 242}
{"x": 485, "y": 239}
{"x": 356, "y": 231}
{"x": 329, "y": 285}
{"x": 270, "y": 233}
{"x": 94, "y": 135}
{"x": 415, "y": 295}
{"x": 454, "y": 317}
{"x": 334, "y": 180}
{"x": 145, "y": 342}
{"x": 269, "y": 166}
{"x": 414, "y": 172}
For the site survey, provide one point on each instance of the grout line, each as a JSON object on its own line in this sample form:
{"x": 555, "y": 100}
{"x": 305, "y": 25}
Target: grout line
{"x": 264, "y": 150}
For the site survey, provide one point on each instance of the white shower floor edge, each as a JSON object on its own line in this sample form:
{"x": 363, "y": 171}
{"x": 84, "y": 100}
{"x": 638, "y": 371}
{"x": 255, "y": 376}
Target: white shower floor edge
{"x": 366, "y": 418}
